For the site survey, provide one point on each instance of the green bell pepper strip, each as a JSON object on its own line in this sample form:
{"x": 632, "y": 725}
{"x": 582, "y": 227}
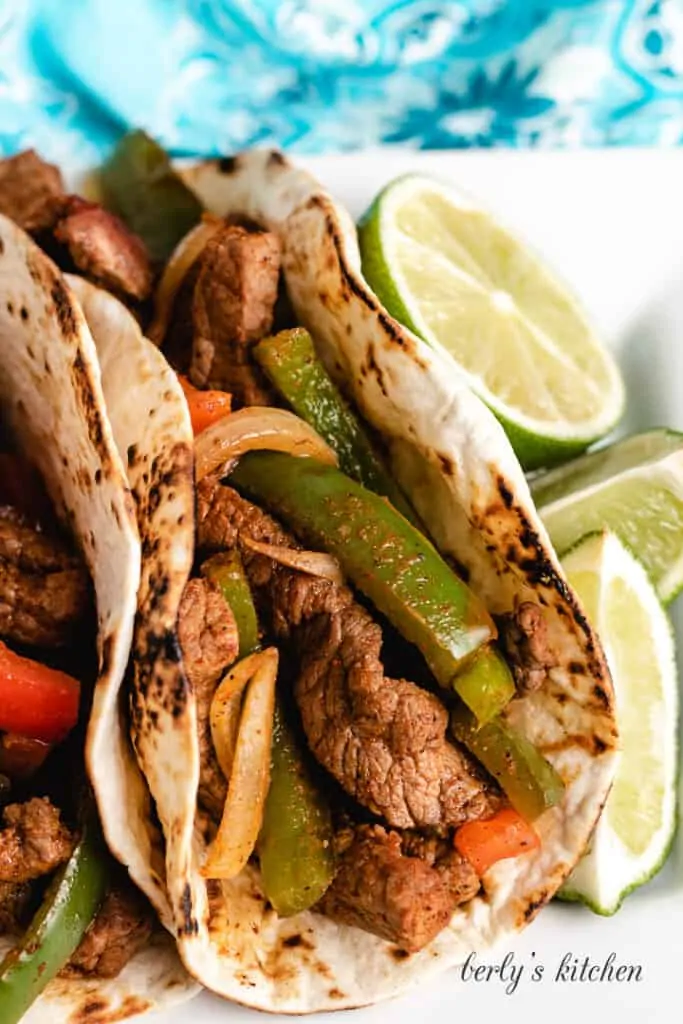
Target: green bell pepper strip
{"x": 290, "y": 361}
{"x": 139, "y": 184}
{"x": 379, "y": 551}
{"x": 227, "y": 571}
{"x": 70, "y": 904}
{"x": 295, "y": 843}
{"x": 485, "y": 684}
{"x": 530, "y": 783}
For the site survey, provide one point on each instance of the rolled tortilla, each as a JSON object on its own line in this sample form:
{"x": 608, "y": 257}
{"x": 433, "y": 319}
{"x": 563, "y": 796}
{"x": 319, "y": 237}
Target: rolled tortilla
{"x": 51, "y": 397}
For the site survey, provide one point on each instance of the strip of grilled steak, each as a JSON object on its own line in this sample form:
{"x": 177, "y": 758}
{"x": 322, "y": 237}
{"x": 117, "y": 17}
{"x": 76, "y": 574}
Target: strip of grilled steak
{"x": 402, "y": 887}
{"x": 530, "y": 655}
{"x": 30, "y": 190}
{"x": 104, "y": 250}
{"x": 98, "y": 243}
{"x": 33, "y": 841}
{"x": 232, "y": 302}
{"x": 14, "y": 899}
{"x": 44, "y": 590}
{"x": 121, "y": 928}
{"x": 383, "y": 739}
{"x": 208, "y": 639}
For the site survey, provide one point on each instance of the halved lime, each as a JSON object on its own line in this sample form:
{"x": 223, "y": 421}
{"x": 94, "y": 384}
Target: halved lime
{"x": 634, "y": 487}
{"x": 634, "y": 834}
{"x": 446, "y": 269}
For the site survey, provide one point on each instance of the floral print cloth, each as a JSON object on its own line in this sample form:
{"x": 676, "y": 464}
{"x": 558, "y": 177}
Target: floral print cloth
{"x": 211, "y": 76}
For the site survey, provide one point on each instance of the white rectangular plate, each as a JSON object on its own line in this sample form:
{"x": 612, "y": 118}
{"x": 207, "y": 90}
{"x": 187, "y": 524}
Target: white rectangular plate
{"x": 611, "y": 223}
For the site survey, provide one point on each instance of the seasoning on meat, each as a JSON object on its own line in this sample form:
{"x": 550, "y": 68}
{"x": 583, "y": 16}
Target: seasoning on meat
{"x": 30, "y": 190}
{"x": 233, "y": 299}
{"x": 44, "y": 590}
{"x": 122, "y": 927}
{"x": 104, "y": 249}
{"x": 383, "y": 739}
{"x": 402, "y": 888}
{"x": 14, "y": 899}
{"x": 33, "y": 842}
{"x": 529, "y": 652}
{"x": 209, "y": 642}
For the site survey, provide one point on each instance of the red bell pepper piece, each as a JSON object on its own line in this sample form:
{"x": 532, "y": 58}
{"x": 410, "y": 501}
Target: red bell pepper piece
{"x": 205, "y": 406}
{"x": 504, "y": 835}
{"x": 35, "y": 700}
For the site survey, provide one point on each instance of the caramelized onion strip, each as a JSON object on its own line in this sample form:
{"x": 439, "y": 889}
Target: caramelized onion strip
{"x": 250, "y": 770}
{"x": 188, "y": 250}
{"x": 256, "y": 428}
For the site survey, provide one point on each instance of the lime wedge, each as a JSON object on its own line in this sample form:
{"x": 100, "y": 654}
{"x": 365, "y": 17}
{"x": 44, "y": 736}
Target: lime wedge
{"x": 633, "y": 487}
{"x": 633, "y": 836}
{"x": 447, "y": 270}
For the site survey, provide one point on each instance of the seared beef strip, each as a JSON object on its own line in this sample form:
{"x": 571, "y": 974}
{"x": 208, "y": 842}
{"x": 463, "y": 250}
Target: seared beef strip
{"x": 30, "y": 190}
{"x": 383, "y": 739}
{"x": 122, "y": 927}
{"x": 14, "y": 899}
{"x": 233, "y": 298}
{"x": 402, "y": 888}
{"x": 33, "y": 842}
{"x": 530, "y": 655}
{"x": 104, "y": 250}
{"x": 98, "y": 243}
{"x": 43, "y": 587}
{"x": 208, "y": 639}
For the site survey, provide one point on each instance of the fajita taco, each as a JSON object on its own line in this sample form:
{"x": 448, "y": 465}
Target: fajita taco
{"x": 78, "y": 941}
{"x": 378, "y": 730}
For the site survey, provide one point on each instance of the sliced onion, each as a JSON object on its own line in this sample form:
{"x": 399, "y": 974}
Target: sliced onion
{"x": 315, "y": 563}
{"x": 183, "y": 256}
{"x": 252, "y": 429}
{"x": 250, "y": 773}
{"x": 224, "y": 714}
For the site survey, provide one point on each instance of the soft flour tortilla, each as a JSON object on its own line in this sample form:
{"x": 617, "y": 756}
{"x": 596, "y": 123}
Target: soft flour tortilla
{"x": 454, "y": 460}
{"x": 152, "y": 429}
{"x": 51, "y": 396}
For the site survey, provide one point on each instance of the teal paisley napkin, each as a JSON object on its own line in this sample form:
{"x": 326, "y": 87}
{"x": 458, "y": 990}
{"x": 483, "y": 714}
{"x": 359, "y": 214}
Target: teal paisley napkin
{"x": 209, "y": 76}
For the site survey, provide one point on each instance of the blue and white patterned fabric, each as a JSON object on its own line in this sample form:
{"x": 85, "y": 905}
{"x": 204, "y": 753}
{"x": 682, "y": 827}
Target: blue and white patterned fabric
{"x": 210, "y": 76}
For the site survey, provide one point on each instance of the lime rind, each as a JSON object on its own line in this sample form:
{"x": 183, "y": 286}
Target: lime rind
{"x": 642, "y": 502}
{"x": 610, "y": 871}
{"x": 569, "y": 894}
{"x": 537, "y": 443}
{"x": 633, "y": 452}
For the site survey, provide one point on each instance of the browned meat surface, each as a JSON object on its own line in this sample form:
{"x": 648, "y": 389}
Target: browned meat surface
{"x": 208, "y": 639}
{"x": 33, "y": 841}
{"x": 526, "y": 642}
{"x": 98, "y": 243}
{"x": 104, "y": 250}
{"x": 383, "y": 739}
{"x": 122, "y": 927}
{"x": 29, "y": 189}
{"x": 14, "y": 898}
{"x": 233, "y": 298}
{"x": 402, "y": 888}
{"x": 44, "y": 590}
